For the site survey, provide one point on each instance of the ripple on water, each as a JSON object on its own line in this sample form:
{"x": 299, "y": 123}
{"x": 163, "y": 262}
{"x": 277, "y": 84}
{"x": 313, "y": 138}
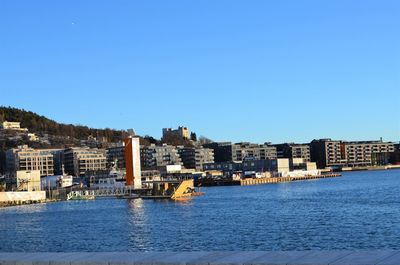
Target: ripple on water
{"x": 357, "y": 211}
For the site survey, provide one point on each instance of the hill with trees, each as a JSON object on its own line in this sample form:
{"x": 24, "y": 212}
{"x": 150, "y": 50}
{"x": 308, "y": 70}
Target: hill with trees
{"x": 39, "y": 124}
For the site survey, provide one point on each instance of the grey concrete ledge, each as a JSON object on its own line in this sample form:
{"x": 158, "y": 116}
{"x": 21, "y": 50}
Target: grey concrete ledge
{"x": 375, "y": 257}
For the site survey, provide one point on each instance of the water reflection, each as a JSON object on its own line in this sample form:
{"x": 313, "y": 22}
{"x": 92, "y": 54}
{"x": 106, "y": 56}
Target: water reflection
{"x": 138, "y": 229}
{"x": 25, "y": 209}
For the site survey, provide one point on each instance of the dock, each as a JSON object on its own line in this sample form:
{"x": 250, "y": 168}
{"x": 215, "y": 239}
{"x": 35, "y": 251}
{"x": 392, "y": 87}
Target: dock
{"x": 317, "y": 257}
{"x": 258, "y": 181}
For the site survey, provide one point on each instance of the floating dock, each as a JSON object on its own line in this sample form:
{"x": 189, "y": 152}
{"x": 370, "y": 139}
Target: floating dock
{"x": 163, "y": 189}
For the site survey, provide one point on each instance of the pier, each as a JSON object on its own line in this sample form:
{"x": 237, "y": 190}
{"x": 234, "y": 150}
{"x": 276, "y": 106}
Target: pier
{"x": 334, "y": 257}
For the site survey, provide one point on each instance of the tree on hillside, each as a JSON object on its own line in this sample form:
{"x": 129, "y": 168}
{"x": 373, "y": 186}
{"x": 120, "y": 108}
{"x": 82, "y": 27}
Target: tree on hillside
{"x": 193, "y": 136}
{"x": 205, "y": 140}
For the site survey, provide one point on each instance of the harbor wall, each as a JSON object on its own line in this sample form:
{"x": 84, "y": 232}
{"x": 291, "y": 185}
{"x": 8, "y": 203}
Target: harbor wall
{"x": 246, "y": 182}
{"x": 22, "y": 196}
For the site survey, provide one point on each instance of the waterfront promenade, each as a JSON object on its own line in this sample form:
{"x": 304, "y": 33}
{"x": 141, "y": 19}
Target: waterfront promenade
{"x": 338, "y": 257}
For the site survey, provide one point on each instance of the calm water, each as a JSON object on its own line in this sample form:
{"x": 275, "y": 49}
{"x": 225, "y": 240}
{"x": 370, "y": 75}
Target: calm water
{"x": 360, "y": 210}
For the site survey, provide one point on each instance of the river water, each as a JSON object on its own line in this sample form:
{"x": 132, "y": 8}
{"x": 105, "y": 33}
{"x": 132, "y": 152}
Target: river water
{"x": 360, "y": 210}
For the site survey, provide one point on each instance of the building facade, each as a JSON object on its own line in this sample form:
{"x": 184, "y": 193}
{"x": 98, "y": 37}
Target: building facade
{"x": 332, "y": 153}
{"x": 242, "y": 151}
{"x": 194, "y": 158}
{"x": 25, "y": 158}
{"x": 116, "y": 156}
{"x": 226, "y": 151}
{"x": 395, "y": 156}
{"x": 367, "y": 153}
{"x": 79, "y": 160}
{"x": 222, "y": 151}
{"x": 292, "y": 150}
{"x": 154, "y": 156}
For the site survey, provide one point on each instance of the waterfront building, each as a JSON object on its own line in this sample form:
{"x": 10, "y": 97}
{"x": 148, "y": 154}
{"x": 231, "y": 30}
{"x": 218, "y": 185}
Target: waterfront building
{"x": 327, "y": 153}
{"x": 116, "y": 156}
{"x": 26, "y": 159}
{"x": 181, "y": 132}
{"x": 195, "y": 157}
{"x": 395, "y": 156}
{"x": 333, "y": 153}
{"x": 226, "y": 151}
{"x": 79, "y": 160}
{"x": 367, "y": 153}
{"x": 227, "y": 167}
{"x": 222, "y": 151}
{"x": 245, "y": 150}
{"x": 154, "y": 156}
{"x": 292, "y": 150}
{"x": 254, "y": 165}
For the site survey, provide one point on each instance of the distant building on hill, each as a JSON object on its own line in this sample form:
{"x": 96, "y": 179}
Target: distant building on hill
{"x": 181, "y": 132}
{"x": 12, "y": 125}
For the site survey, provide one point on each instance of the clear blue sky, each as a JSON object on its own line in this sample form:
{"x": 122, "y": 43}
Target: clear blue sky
{"x": 230, "y": 70}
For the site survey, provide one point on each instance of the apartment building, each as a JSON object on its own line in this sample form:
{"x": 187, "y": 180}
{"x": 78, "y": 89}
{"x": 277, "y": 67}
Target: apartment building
{"x": 327, "y": 153}
{"x": 292, "y": 150}
{"x": 195, "y": 157}
{"x": 245, "y": 150}
{"x": 25, "y": 158}
{"x": 79, "y": 160}
{"x": 116, "y": 156}
{"x": 226, "y": 151}
{"x": 154, "y": 156}
{"x": 332, "y": 153}
{"x": 367, "y": 153}
{"x": 222, "y": 151}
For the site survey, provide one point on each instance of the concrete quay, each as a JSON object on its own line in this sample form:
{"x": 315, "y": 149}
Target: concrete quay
{"x": 334, "y": 257}
{"x": 246, "y": 182}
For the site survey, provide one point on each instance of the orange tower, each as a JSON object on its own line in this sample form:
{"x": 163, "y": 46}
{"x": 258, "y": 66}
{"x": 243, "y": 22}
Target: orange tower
{"x": 132, "y": 162}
